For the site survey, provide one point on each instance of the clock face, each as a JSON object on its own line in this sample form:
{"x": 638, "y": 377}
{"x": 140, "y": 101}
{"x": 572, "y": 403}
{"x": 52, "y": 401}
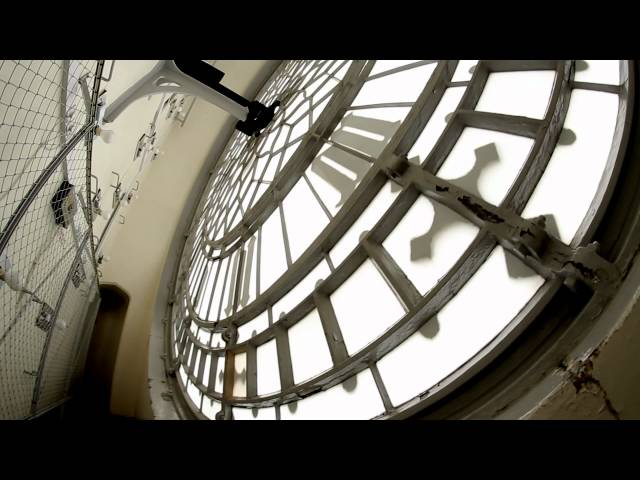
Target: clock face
{"x": 343, "y": 264}
{"x": 249, "y": 166}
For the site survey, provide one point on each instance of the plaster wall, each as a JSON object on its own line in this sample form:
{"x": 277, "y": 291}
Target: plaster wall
{"x": 138, "y": 249}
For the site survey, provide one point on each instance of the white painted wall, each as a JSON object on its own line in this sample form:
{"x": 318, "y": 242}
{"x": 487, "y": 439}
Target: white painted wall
{"x": 138, "y": 249}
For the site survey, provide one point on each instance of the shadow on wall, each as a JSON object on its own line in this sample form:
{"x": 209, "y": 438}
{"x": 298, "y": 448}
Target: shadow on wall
{"x": 94, "y": 393}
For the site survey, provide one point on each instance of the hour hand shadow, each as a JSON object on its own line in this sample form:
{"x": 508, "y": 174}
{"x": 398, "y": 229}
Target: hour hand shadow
{"x": 443, "y": 218}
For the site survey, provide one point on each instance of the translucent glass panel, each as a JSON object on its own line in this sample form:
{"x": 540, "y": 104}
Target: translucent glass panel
{"x": 464, "y": 70}
{"x": 369, "y": 130}
{"x": 183, "y": 375}
{"x": 268, "y": 372}
{"x": 273, "y": 260}
{"x": 355, "y": 399}
{"x": 370, "y": 216}
{"x": 210, "y": 407}
{"x": 194, "y": 273}
{"x": 386, "y": 65}
{"x": 228, "y": 282}
{"x": 249, "y": 284}
{"x": 216, "y": 340}
{"x": 334, "y": 174}
{"x": 309, "y": 351}
{"x": 524, "y": 94}
{"x": 436, "y": 125}
{"x": 304, "y": 218}
{"x": 219, "y": 375}
{"x": 254, "y": 413}
{"x": 485, "y": 162}
{"x": 428, "y": 241}
{"x": 403, "y": 86}
{"x": 240, "y": 375}
{"x": 481, "y": 310}
{"x": 301, "y": 290}
{"x": 365, "y": 307}
{"x": 209, "y": 307}
{"x": 204, "y": 336}
{"x": 194, "y": 394}
{"x": 598, "y": 71}
{"x": 207, "y": 370}
{"x": 257, "y": 325}
{"x": 571, "y": 178}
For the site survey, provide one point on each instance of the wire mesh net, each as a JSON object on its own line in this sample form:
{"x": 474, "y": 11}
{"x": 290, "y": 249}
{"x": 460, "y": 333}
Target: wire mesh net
{"x": 45, "y": 257}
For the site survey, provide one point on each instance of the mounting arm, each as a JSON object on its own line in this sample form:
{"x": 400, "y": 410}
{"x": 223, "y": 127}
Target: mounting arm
{"x": 199, "y": 79}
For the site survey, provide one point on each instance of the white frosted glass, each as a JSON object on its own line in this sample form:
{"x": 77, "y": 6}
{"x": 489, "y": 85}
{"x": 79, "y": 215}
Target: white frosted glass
{"x": 258, "y": 324}
{"x": 207, "y": 370}
{"x": 524, "y": 94}
{"x": 334, "y": 174}
{"x": 240, "y": 375}
{"x": 249, "y": 286}
{"x": 231, "y": 282}
{"x": 369, "y": 130}
{"x": 183, "y": 375}
{"x": 266, "y": 170}
{"x": 197, "y": 360}
{"x": 194, "y": 394}
{"x": 436, "y": 125}
{"x": 217, "y": 293}
{"x": 207, "y": 290}
{"x": 321, "y": 87}
{"x": 571, "y": 178}
{"x": 301, "y": 120}
{"x": 219, "y": 375}
{"x": 355, "y": 399}
{"x": 403, "y": 86}
{"x": 436, "y": 245}
{"x": 463, "y": 72}
{"x": 477, "y": 314}
{"x": 216, "y": 340}
{"x": 248, "y": 413}
{"x": 309, "y": 350}
{"x": 273, "y": 261}
{"x": 301, "y": 290}
{"x": 194, "y": 328}
{"x": 369, "y": 217}
{"x": 485, "y": 162}
{"x": 599, "y": 71}
{"x": 384, "y": 65}
{"x": 268, "y": 372}
{"x": 195, "y": 272}
{"x": 304, "y": 218}
{"x": 210, "y": 407}
{"x": 365, "y": 307}
{"x": 204, "y": 336}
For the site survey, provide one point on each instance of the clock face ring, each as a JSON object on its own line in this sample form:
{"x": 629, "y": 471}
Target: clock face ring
{"x": 385, "y": 233}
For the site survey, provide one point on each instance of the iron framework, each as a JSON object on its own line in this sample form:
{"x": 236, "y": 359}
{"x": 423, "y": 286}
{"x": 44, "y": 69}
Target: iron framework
{"x": 581, "y": 274}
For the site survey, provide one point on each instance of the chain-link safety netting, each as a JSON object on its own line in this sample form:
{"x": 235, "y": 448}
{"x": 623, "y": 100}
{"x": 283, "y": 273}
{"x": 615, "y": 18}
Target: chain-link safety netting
{"x": 47, "y": 270}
